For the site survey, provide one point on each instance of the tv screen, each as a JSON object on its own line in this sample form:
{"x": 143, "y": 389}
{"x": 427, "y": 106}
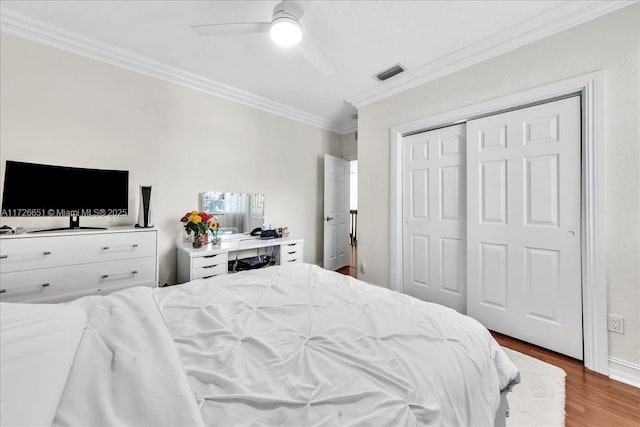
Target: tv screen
{"x": 37, "y": 190}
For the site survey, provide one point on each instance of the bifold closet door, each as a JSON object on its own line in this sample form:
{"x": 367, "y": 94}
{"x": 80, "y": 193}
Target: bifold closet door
{"x": 523, "y": 224}
{"x": 434, "y": 216}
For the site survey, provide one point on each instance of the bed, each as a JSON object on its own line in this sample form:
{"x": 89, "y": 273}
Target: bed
{"x": 291, "y": 345}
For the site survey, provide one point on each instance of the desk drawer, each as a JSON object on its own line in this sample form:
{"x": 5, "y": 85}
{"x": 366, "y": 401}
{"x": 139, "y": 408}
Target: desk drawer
{"x": 208, "y": 271}
{"x": 69, "y": 282}
{"x": 209, "y": 260}
{"x": 19, "y": 254}
{"x": 291, "y": 252}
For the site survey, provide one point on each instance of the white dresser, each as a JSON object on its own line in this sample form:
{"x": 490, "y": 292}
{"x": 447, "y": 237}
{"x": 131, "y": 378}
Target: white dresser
{"x": 60, "y": 266}
{"x": 210, "y": 260}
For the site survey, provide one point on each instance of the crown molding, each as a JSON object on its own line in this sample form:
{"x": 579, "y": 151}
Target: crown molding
{"x": 350, "y": 127}
{"x": 22, "y": 26}
{"x": 565, "y": 16}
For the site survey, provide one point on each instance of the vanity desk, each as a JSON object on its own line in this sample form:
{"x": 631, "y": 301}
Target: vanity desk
{"x": 212, "y": 260}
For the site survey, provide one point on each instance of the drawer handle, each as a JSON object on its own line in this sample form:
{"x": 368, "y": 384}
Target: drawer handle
{"x": 7, "y": 256}
{"x": 106, "y": 276}
{"x": 44, "y": 285}
{"x": 210, "y": 256}
{"x": 210, "y": 266}
{"x": 106, "y": 248}
{"x": 290, "y": 253}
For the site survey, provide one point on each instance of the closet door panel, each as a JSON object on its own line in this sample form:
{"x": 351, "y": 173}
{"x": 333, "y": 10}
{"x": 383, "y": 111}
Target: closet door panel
{"x": 523, "y": 227}
{"x": 434, "y": 214}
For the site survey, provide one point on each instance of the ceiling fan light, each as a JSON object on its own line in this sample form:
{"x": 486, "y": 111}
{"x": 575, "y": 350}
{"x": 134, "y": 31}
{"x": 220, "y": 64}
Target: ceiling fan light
{"x": 285, "y": 31}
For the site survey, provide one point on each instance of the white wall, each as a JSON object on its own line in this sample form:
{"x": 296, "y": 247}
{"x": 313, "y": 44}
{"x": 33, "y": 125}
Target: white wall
{"x": 60, "y": 108}
{"x": 353, "y": 185}
{"x": 349, "y": 146}
{"x": 609, "y": 43}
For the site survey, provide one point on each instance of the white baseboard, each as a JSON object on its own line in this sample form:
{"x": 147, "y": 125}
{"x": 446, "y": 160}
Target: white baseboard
{"x": 625, "y": 372}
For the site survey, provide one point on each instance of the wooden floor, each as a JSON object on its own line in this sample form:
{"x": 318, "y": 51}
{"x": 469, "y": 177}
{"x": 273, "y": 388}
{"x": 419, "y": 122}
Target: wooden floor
{"x": 591, "y": 399}
{"x": 351, "y": 269}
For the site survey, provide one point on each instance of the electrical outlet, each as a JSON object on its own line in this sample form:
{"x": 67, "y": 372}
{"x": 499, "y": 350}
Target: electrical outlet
{"x": 615, "y": 323}
{"x": 363, "y": 266}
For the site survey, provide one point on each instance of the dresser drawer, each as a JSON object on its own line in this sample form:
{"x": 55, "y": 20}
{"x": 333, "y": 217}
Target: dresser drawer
{"x": 68, "y": 282}
{"x": 291, "y": 252}
{"x": 204, "y": 272}
{"x": 18, "y": 254}
{"x": 209, "y": 260}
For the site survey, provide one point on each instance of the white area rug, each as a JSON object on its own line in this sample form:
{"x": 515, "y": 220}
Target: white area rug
{"x": 538, "y": 401}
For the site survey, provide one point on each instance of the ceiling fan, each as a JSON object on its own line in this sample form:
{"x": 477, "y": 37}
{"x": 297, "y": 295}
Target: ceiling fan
{"x": 284, "y": 28}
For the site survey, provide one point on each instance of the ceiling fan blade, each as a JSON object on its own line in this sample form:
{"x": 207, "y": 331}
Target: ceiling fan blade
{"x": 311, "y": 53}
{"x": 232, "y": 28}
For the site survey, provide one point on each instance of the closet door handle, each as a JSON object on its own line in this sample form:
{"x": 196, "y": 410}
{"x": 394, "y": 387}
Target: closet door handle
{"x": 44, "y": 285}
{"x": 46, "y": 253}
{"x": 2, "y": 291}
{"x": 329, "y": 218}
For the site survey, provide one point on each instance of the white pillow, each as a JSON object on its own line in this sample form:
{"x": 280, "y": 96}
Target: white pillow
{"x": 37, "y": 345}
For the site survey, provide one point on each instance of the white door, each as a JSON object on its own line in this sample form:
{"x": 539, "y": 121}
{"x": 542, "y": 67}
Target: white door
{"x": 434, "y": 216}
{"x": 336, "y": 212}
{"x": 523, "y": 224}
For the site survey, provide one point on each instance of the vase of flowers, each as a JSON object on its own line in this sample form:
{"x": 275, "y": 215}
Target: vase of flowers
{"x": 200, "y": 224}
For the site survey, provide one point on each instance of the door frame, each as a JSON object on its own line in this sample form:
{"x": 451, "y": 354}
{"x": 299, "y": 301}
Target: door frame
{"x": 593, "y": 206}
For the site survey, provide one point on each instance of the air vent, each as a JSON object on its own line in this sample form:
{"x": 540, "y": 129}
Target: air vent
{"x": 387, "y": 74}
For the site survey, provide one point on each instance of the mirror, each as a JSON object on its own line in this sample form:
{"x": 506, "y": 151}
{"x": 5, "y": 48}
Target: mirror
{"x": 236, "y": 212}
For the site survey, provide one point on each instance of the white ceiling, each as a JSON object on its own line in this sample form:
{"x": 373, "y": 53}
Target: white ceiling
{"x": 360, "y": 39}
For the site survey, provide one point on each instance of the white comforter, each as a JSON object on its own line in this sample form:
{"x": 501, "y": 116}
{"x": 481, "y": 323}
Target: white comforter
{"x": 126, "y": 370}
{"x": 297, "y": 345}
{"x": 285, "y": 346}
{"x": 38, "y": 343}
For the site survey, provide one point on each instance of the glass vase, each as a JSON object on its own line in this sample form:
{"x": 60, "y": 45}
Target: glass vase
{"x": 215, "y": 239}
{"x": 199, "y": 240}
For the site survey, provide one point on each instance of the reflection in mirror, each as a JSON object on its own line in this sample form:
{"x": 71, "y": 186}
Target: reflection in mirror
{"x": 236, "y": 212}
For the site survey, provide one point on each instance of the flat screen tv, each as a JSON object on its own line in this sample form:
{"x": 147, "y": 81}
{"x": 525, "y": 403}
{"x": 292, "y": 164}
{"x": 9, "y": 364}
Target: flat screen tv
{"x": 36, "y": 190}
